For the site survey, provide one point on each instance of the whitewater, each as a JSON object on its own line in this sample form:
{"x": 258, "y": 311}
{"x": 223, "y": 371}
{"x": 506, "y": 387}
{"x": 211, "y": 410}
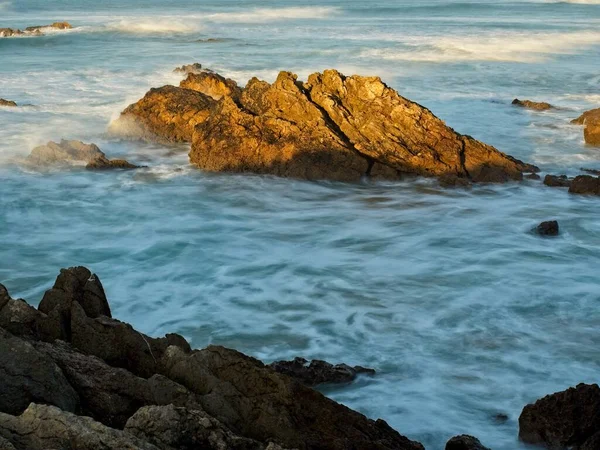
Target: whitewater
{"x": 464, "y": 312}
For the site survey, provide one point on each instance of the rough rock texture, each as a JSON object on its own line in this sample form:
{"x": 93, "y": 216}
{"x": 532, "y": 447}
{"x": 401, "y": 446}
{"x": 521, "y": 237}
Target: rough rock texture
{"x": 319, "y": 372}
{"x": 591, "y": 171}
{"x": 340, "y": 128}
{"x": 167, "y": 114}
{"x": 591, "y": 121}
{"x": 185, "y": 429}
{"x": 549, "y": 228}
{"x": 465, "y": 442}
{"x": 74, "y": 152}
{"x": 29, "y": 376}
{"x": 43, "y": 427}
{"x": 212, "y": 84}
{"x": 107, "y": 370}
{"x": 562, "y": 420}
{"x": 585, "y": 184}
{"x": 557, "y": 181}
{"x": 538, "y": 106}
{"x": 4, "y": 102}
{"x": 35, "y": 30}
{"x": 189, "y": 68}
{"x": 592, "y": 443}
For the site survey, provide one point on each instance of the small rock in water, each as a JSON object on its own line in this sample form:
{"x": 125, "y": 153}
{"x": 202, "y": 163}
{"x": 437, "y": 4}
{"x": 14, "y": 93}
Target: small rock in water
{"x": 537, "y": 106}
{"x": 4, "y": 102}
{"x": 585, "y": 184}
{"x": 549, "y": 228}
{"x": 465, "y": 442}
{"x": 591, "y": 171}
{"x": 591, "y": 121}
{"x": 501, "y": 418}
{"x": 189, "y": 68}
{"x": 532, "y": 176}
{"x": 319, "y": 372}
{"x": 557, "y": 181}
{"x": 37, "y": 30}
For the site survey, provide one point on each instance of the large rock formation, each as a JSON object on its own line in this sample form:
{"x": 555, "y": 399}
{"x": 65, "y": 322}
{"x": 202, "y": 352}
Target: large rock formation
{"x": 162, "y": 393}
{"x": 591, "y": 121}
{"x": 331, "y": 127}
{"x": 563, "y": 420}
{"x": 167, "y": 115}
{"x": 68, "y": 153}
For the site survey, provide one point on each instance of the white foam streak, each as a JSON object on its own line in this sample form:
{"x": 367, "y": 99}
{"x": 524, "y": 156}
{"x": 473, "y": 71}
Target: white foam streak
{"x": 150, "y": 25}
{"x": 260, "y": 15}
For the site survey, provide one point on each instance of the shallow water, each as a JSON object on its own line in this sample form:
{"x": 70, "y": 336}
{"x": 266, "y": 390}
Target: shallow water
{"x": 464, "y": 313}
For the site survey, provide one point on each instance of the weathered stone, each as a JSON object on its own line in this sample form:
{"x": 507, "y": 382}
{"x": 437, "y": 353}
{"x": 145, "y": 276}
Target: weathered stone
{"x": 592, "y": 443}
{"x": 538, "y": 106}
{"x": 260, "y": 404}
{"x": 562, "y": 420}
{"x": 591, "y": 121}
{"x": 185, "y": 429}
{"x": 585, "y": 184}
{"x": 212, "y": 84}
{"x": 29, "y": 376}
{"x": 465, "y": 442}
{"x": 73, "y": 152}
{"x": 591, "y": 171}
{"x": 4, "y": 102}
{"x": 549, "y": 228}
{"x": 167, "y": 114}
{"x": 108, "y": 394}
{"x": 9, "y": 32}
{"x": 107, "y": 164}
{"x": 43, "y": 427}
{"x": 189, "y": 68}
{"x": 33, "y": 31}
{"x": 319, "y": 372}
{"x": 55, "y": 25}
{"x": 276, "y": 130}
{"x": 4, "y": 296}
{"x": 557, "y": 181}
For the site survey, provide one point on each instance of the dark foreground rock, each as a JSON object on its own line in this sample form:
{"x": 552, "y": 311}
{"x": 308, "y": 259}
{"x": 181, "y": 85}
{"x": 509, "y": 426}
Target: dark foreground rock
{"x": 549, "y": 228}
{"x": 74, "y": 152}
{"x": 537, "y": 106}
{"x": 318, "y": 372}
{"x": 465, "y": 442}
{"x": 9, "y": 103}
{"x": 37, "y": 30}
{"x": 568, "y": 419}
{"x": 591, "y": 121}
{"x": 142, "y": 392}
{"x": 331, "y": 127}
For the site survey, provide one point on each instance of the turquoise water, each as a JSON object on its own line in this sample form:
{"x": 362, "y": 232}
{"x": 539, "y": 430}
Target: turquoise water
{"x": 464, "y": 313}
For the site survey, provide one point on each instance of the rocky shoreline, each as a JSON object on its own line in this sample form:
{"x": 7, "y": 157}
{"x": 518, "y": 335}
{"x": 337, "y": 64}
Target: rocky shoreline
{"x": 74, "y": 377}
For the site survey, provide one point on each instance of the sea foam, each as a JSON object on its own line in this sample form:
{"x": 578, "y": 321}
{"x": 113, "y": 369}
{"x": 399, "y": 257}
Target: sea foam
{"x": 260, "y": 15}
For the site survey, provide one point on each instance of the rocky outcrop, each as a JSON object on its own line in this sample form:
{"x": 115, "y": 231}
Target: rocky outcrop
{"x": 341, "y": 128}
{"x": 585, "y": 184}
{"x": 591, "y": 121}
{"x": 212, "y": 84}
{"x": 465, "y": 442}
{"x": 557, "y": 181}
{"x": 318, "y": 372}
{"x": 158, "y": 389}
{"x": 189, "y": 68}
{"x": 168, "y": 114}
{"x": 537, "y": 106}
{"x": 35, "y": 30}
{"x": 8, "y": 103}
{"x": 549, "y": 228}
{"x": 563, "y": 420}
{"x": 68, "y": 153}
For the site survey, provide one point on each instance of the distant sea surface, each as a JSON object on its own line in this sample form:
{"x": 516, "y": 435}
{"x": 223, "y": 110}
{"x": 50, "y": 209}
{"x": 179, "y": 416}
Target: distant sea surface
{"x": 462, "y": 310}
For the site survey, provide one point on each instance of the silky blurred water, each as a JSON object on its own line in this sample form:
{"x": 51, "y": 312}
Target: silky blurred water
{"x": 462, "y": 310}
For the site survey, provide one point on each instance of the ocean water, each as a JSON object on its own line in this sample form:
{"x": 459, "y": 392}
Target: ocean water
{"x": 462, "y": 310}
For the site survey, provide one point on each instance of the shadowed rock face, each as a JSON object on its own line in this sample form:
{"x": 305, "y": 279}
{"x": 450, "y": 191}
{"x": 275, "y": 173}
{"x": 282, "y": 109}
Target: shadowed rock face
{"x": 591, "y": 121}
{"x": 537, "y": 106}
{"x": 563, "y": 420}
{"x": 158, "y": 389}
{"x": 167, "y": 114}
{"x": 211, "y": 84}
{"x": 339, "y": 128}
{"x": 465, "y": 442}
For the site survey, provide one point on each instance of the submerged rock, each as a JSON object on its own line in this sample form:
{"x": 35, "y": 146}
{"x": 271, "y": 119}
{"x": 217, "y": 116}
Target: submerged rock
{"x": 74, "y": 152}
{"x": 37, "y": 30}
{"x": 538, "y": 106}
{"x": 563, "y": 420}
{"x": 549, "y": 228}
{"x": 167, "y": 114}
{"x": 591, "y": 171}
{"x": 212, "y": 84}
{"x": 557, "y": 181}
{"x": 189, "y": 68}
{"x": 465, "y": 442}
{"x": 4, "y": 102}
{"x": 340, "y": 128}
{"x": 318, "y": 372}
{"x": 591, "y": 121}
{"x": 215, "y": 398}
